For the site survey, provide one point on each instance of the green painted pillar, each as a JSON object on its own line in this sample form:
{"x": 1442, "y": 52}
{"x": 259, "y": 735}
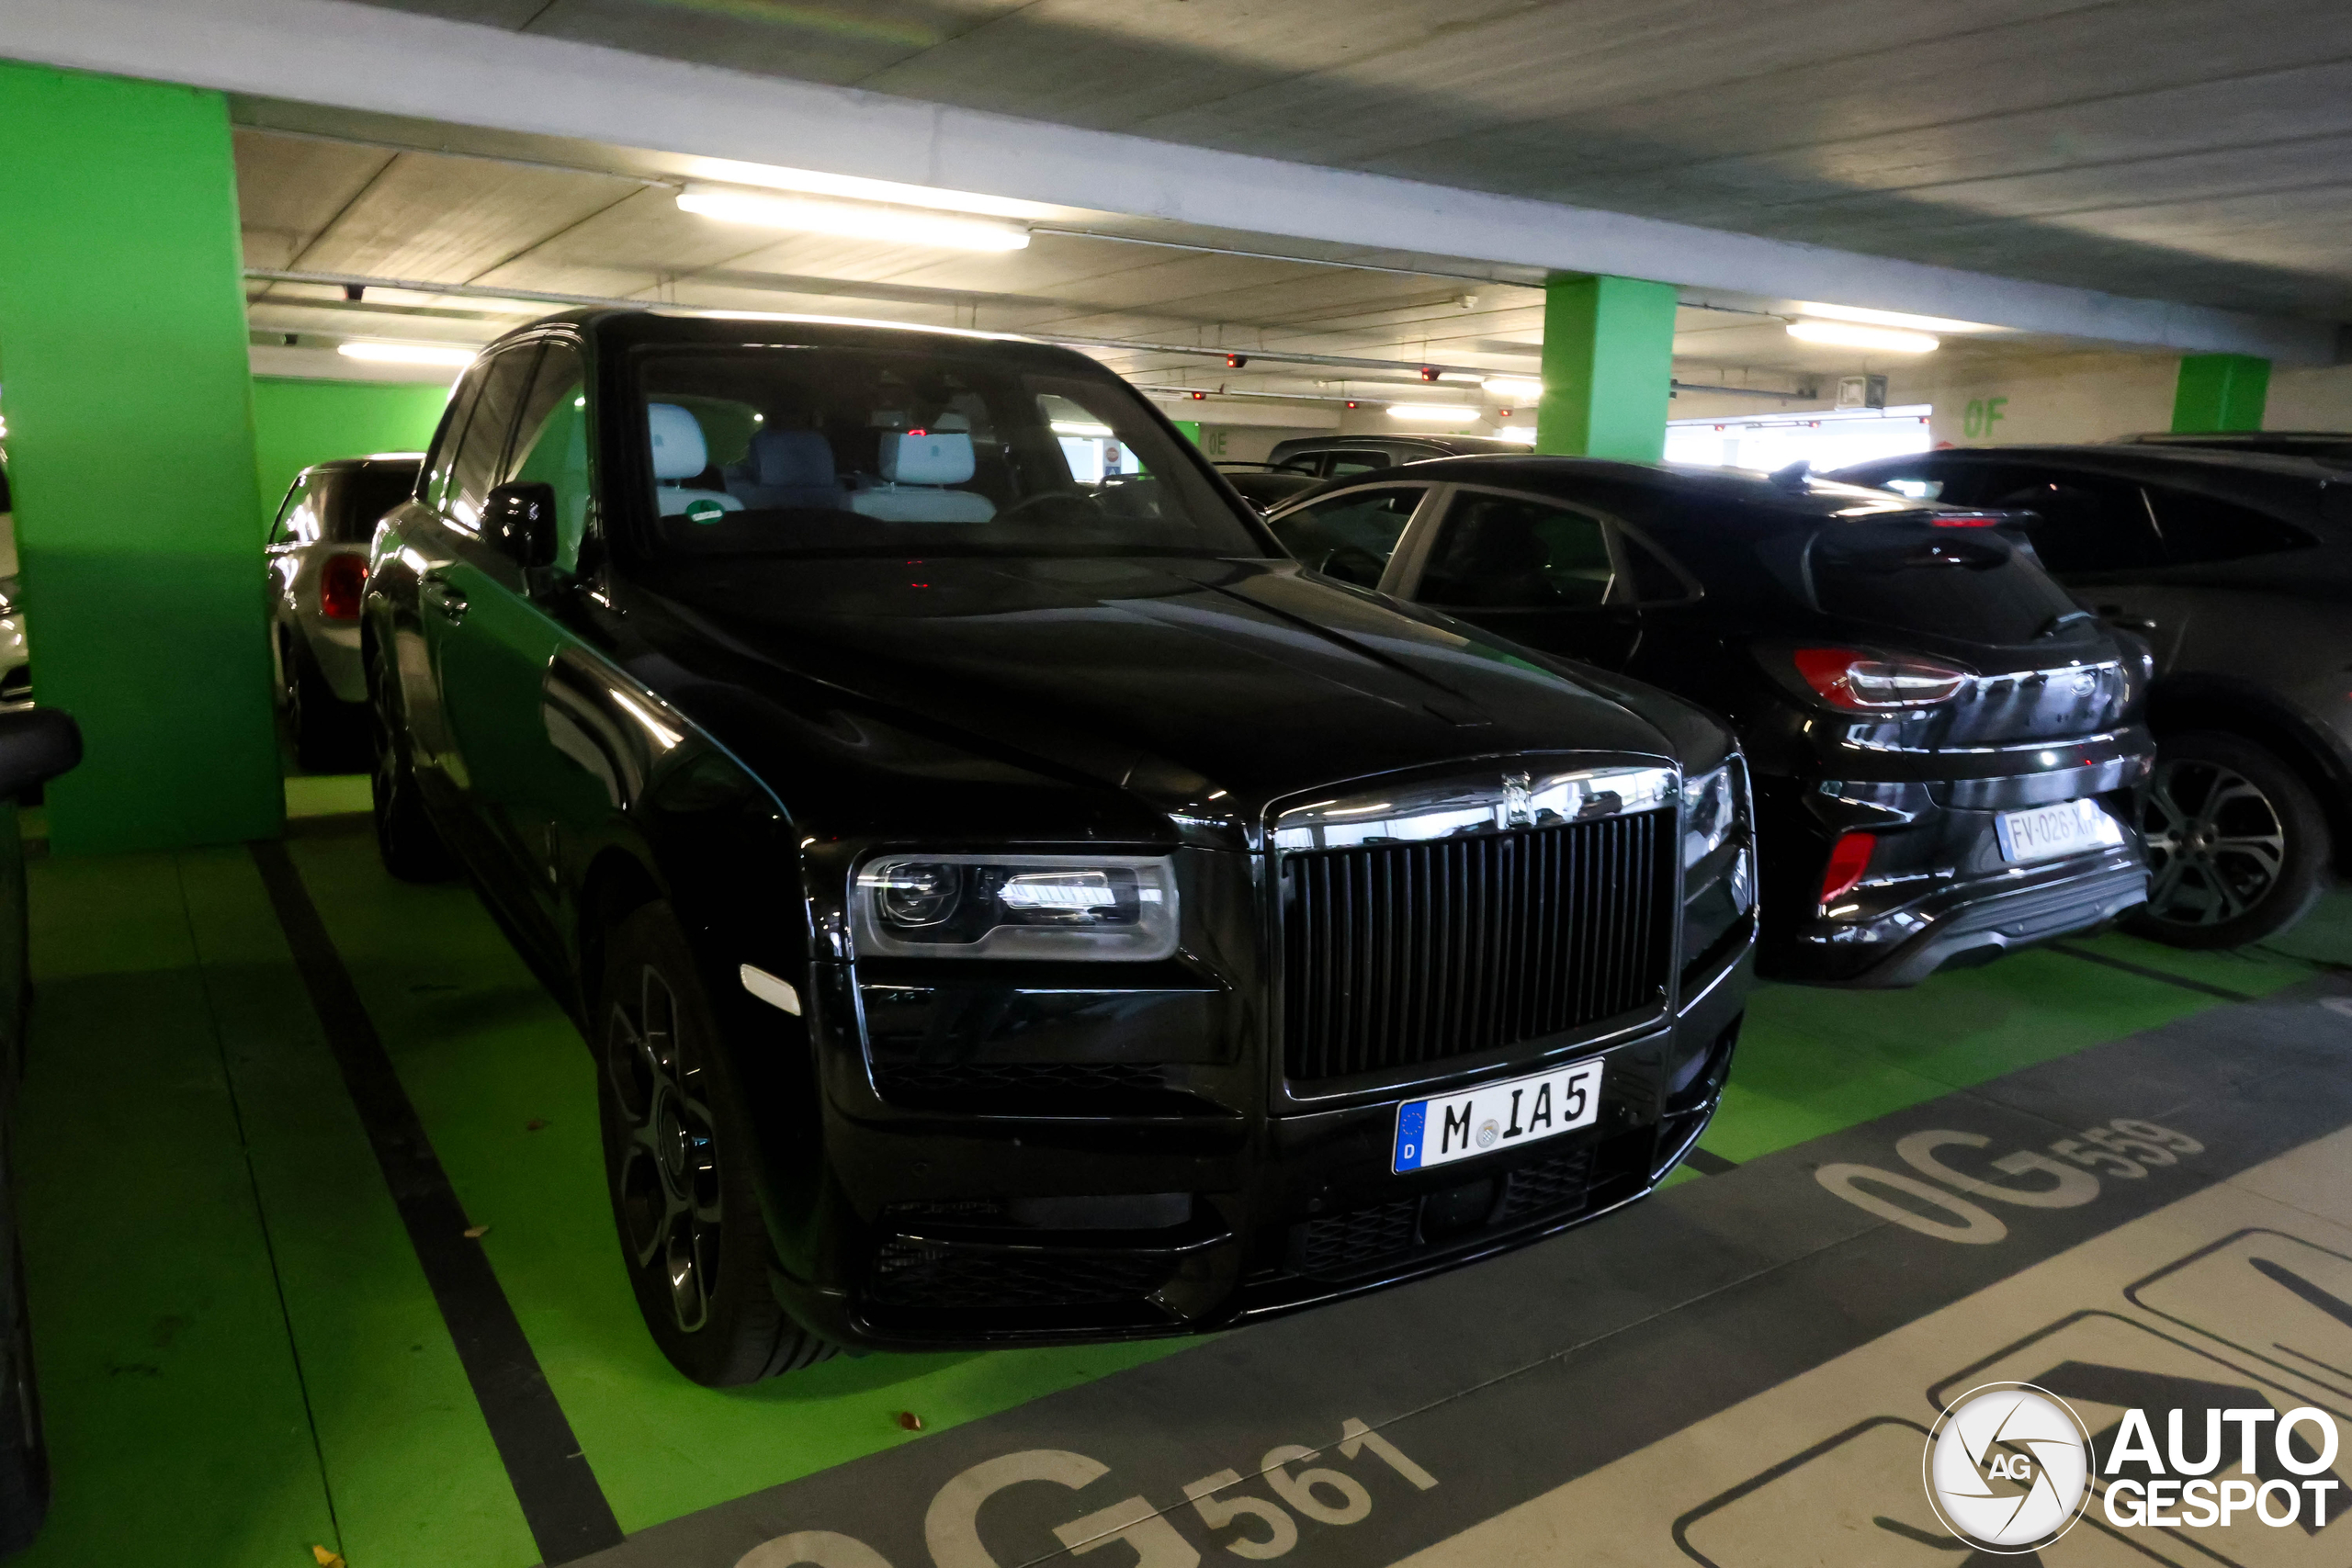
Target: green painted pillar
{"x": 2220, "y": 391}
{"x": 1607, "y": 363}
{"x": 129, "y": 398}
{"x": 1192, "y": 429}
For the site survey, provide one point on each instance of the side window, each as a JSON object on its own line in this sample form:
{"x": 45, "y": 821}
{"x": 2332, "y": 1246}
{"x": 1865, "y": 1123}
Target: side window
{"x": 1504, "y": 552}
{"x": 1343, "y": 464}
{"x": 551, "y": 446}
{"x": 474, "y": 466}
{"x": 434, "y": 489}
{"x": 2199, "y": 528}
{"x": 281, "y": 532}
{"x": 2082, "y": 523}
{"x": 1649, "y": 578}
{"x": 1351, "y": 536}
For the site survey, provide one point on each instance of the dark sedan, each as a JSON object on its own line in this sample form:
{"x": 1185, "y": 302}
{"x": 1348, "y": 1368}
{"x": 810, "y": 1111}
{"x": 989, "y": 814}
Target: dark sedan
{"x": 2236, "y": 566}
{"x": 1002, "y": 908}
{"x": 1944, "y": 748}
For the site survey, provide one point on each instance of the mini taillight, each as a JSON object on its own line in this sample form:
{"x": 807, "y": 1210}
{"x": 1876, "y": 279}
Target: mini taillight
{"x": 1849, "y": 858}
{"x": 342, "y": 580}
{"x": 1966, "y": 520}
{"x": 1869, "y": 682}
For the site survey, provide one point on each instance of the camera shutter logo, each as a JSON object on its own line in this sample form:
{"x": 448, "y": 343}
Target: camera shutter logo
{"x": 2008, "y": 1468}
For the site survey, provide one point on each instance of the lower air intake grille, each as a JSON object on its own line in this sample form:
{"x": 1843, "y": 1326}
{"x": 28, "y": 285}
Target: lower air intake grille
{"x": 1395, "y": 955}
{"x": 1553, "y": 1183}
{"x": 910, "y": 1273}
{"x": 1345, "y": 1243}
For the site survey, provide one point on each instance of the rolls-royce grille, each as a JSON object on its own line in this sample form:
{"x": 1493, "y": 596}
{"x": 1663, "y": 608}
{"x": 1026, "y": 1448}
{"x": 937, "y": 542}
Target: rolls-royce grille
{"x": 1395, "y": 955}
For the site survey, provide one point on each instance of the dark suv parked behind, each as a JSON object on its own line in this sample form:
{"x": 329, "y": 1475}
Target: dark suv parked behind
{"x": 1002, "y": 908}
{"x": 2236, "y": 566}
{"x": 1944, "y": 750}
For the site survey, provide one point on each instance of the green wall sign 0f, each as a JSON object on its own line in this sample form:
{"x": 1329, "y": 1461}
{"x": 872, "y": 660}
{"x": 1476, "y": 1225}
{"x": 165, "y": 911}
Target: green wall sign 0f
{"x": 1976, "y": 421}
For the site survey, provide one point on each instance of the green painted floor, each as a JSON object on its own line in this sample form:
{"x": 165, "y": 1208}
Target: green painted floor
{"x": 238, "y": 1354}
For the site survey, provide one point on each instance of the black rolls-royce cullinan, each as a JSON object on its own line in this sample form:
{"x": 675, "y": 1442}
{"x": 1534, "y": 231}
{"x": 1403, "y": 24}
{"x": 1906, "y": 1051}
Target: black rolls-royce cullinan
{"x": 1003, "y": 909}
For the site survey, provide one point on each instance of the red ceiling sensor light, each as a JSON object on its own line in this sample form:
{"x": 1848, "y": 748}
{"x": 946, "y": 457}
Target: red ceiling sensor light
{"x": 1352, "y": 403}
{"x": 1502, "y": 413}
{"x": 1871, "y": 683}
{"x": 343, "y": 580}
{"x": 1235, "y": 361}
{"x": 1200, "y": 397}
{"x": 1428, "y": 372}
{"x": 1849, "y": 858}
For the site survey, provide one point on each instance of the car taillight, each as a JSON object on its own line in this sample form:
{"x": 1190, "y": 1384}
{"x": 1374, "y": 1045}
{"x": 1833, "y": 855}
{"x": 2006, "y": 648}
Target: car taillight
{"x": 1849, "y": 858}
{"x": 1966, "y": 520}
{"x": 342, "y": 580}
{"x": 1869, "y": 682}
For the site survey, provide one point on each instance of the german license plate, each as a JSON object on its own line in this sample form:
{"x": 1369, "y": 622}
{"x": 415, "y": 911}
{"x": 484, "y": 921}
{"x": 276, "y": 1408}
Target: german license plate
{"x": 2048, "y": 832}
{"x": 1496, "y": 1116}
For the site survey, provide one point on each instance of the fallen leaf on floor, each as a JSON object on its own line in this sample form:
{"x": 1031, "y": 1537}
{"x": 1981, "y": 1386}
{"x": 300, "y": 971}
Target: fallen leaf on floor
{"x": 475, "y": 1232}
{"x": 327, "y": 1559}
{"x": 910, "y": 1420}
{"x": 533, "y": 1125}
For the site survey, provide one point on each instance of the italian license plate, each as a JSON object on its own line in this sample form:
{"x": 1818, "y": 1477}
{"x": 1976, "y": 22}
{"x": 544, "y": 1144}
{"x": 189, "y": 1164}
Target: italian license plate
{"x": 2048, "y": 832}
{"x": 1496, "y": 1116}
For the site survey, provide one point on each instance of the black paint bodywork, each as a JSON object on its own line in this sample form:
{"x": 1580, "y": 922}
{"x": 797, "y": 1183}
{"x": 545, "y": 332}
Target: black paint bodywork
{"x": 2037, "y": 728}
{"x": 734, "y": 735}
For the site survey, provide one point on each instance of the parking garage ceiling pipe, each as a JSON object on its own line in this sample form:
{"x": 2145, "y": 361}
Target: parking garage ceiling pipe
{"x": 376, "y": 59}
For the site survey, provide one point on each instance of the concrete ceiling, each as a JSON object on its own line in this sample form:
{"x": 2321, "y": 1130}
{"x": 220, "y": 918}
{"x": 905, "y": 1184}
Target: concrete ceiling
{"x": 2181, "y": 149}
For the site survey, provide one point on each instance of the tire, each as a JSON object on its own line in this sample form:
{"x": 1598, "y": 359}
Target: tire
{"x": 24, "y": 1451}
{"x": 330, "y": 736}
{"x": 678, "y": 1153}
{"x": 2237, "y": 844}
{"x": 406, "y": 840}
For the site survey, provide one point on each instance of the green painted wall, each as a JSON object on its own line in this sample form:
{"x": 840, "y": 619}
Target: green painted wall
{"x": 130, "y": 451}
{"x": 2220, "y": 391}
{"x": 299, "y": 422}
{"x": 1608, "y": 365}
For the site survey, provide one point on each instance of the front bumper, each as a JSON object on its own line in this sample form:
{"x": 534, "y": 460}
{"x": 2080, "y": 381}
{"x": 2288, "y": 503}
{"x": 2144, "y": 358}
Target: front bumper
{"x": 965, "y": 1231}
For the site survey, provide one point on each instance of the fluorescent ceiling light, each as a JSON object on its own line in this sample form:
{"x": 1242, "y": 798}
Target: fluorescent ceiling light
{"x": 857, "y": 189}
{"x": 1086, "y": 431}
{"x": 1847, "y": 336}
{"x": 407, "y": 353}
{"x": 1522, "y": 433}
{"x": 1512, "y": 387}
{"x": 1432, "y": 410}
{"x": 818, "y": 215}
{"x": 1890, "y": 318}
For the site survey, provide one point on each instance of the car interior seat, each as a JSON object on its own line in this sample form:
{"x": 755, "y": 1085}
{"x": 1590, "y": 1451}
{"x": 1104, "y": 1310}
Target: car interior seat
{"x": 787, "y": 470}
{"x": 917, "y": 468}
{"x": 681, "y": 454}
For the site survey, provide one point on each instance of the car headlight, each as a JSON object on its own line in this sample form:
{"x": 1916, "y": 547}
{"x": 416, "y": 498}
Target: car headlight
{"x": 1717, "y": 846}
{"x": 951, "y": 906}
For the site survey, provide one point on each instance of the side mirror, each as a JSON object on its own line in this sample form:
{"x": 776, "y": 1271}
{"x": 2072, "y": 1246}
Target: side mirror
{"x": 36, "y": 745}
{"x": 519, "y": 520}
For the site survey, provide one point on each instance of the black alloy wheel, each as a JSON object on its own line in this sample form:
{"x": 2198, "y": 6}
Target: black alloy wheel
{"x": 677, "y": 1148}
{"x": 328, "y": 737}
{"x": 406, "y": 840}
{"x": 2238, "y": 846}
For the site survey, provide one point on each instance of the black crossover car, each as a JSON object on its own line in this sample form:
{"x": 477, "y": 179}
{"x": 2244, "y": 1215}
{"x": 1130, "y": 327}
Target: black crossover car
{"x": 1337, "y": 457}
{"x": 2236, "y": 566}
{"x": 1944, "y": 748}
{"x": 1004, "y": 910}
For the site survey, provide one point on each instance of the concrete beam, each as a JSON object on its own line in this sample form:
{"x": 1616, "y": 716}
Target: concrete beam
{"x": 366, "y": 58}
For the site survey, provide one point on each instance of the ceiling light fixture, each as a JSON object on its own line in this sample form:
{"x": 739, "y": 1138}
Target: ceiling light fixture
{"x": 856, "y": 221}
{"x": 856, "y": 188}
{"x": 1514, "y": 387}
{"x": 1462, "y": 411}
{"x": 1898, "y": 318}
{"x": 407, "y": 353}
{"x": 1084, "y": 431}
{"x": 1844, "y": 335}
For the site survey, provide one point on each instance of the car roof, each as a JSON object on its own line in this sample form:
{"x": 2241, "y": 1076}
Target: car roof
{"x": 634, "y": 328}
{"x": 1522, "y": 469}
{"x": 2135, "y": 460}
{"x": 373, "y": 459}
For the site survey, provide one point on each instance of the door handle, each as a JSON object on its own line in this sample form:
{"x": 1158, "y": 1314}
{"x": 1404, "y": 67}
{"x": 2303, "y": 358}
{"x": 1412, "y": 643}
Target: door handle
{"x": 440, "y": 595}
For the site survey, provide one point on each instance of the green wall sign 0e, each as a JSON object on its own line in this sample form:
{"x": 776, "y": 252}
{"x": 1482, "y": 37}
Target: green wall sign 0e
{"x": 1977, "y": 420}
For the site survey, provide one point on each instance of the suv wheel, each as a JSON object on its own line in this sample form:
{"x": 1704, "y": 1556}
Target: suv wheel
{"x": 2236, "y": 843}
{"x": 406, "y": 840}
{"x": 678, "y": 1148}
{"x": 328, "y": 737}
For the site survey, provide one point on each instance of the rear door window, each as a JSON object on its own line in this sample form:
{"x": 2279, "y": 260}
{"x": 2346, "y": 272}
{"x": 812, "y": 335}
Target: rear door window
{"x": 1350, "y": 536}
{"x": 2083, "y": 522}
{"x": 1508, "y": 552}
{"x": 362, "y": 499}
{"x": 2200, "y": 528}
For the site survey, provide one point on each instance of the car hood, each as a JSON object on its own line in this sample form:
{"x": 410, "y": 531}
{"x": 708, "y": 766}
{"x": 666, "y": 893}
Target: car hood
{"x": 1202, "y": 690}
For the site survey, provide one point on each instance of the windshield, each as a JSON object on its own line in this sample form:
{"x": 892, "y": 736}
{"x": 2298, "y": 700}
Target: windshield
{"x": 834, "y": 451}
{"x": 1968, "y": 583}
